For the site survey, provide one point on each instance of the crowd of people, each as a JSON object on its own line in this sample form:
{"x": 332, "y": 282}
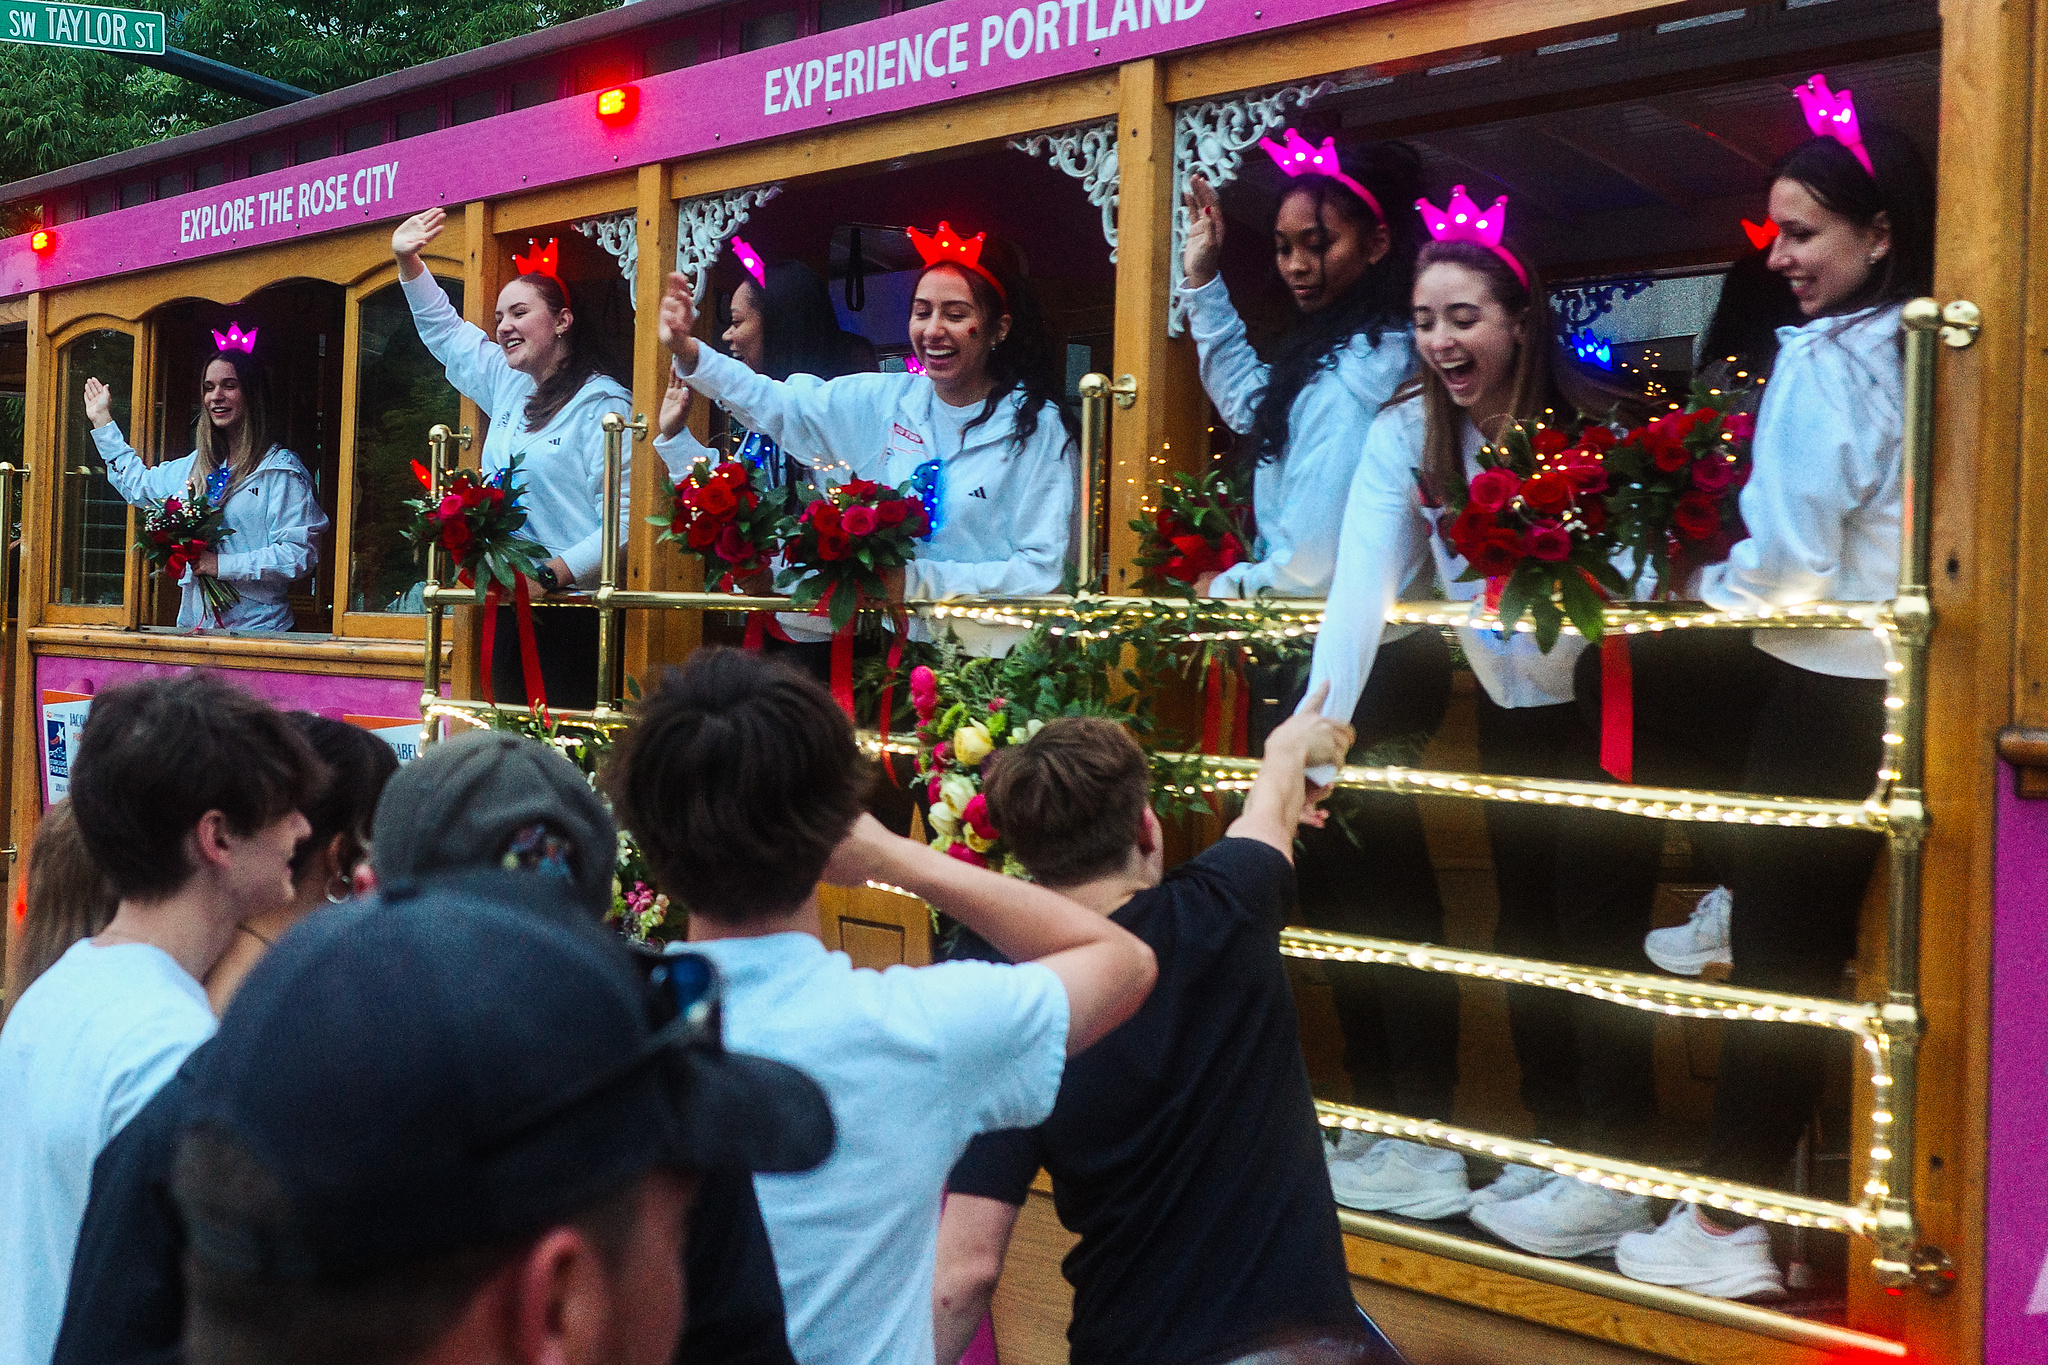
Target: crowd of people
{"x": 308, "y": 1057}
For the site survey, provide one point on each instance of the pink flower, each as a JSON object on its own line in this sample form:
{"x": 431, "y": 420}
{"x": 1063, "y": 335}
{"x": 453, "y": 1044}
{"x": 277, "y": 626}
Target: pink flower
{"x": 977, "y": 817}
{"x": 451, "y": 505}
{"x": 924, "y": 692}
{"x": 965, "y": 854}
{"x": 1741, "y": 425}
{"x": 942, "y": 755}
{"x": 1713, "y": 476}
{"x": 1492, "y": 489}
{"x": 859, "y": 521}
{"x": 1549, "y": 544}
{"x": 931, "y": 788}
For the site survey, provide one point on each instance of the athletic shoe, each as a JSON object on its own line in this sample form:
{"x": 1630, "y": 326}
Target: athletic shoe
{"x": 1701, "y": 942}
{"x": 1567, "y": 1217}
{"x": 1684, "y": 1255}
{"x": 1513, "y": 1182}
{"x": 1351, "y": 1144}
{"x": 1405, "y": 1178}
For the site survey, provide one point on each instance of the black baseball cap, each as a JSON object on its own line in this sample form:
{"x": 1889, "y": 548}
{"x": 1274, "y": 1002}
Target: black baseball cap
{"x": 440, "y": 1068}
{"x": 462, "y": 802}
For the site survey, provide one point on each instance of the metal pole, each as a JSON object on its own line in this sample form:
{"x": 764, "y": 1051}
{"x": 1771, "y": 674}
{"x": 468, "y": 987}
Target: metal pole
{"x": 1094, "y": 389}
{"x": 438, "y": 438}
{"x": 615, "y": 426}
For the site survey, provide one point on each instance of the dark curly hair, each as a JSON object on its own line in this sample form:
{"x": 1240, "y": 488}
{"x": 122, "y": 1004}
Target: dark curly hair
{"x": 1374, "y": 305}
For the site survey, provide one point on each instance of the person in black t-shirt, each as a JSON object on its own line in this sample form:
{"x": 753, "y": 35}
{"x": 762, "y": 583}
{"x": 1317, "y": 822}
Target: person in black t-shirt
{"x": 1183, "y": 1147}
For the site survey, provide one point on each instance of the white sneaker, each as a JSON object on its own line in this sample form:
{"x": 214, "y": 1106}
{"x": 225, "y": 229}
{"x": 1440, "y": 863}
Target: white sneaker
{"x": 1567, "y": 1217}
{"x": 1701, "y": 942}
{"x": 1351, "y": 1145}
{"x": 1407, "y": 1178}
{"x": 1684, "y": 1255}
{"x": 1513, "y": 1182}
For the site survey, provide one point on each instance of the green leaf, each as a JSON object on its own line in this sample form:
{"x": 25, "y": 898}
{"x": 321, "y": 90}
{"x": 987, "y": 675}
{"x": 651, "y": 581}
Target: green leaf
{"x": 1549, "y": 622}
{"x": 1583, "y": 605}
{"x": 1517, "y": 596}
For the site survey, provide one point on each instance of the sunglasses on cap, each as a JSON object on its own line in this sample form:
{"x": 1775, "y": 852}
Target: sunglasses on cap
{"x": 685, "y": 1009}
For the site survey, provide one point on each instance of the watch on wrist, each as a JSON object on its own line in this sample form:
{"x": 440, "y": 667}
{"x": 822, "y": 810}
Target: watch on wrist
{"x": 548, "y": 579}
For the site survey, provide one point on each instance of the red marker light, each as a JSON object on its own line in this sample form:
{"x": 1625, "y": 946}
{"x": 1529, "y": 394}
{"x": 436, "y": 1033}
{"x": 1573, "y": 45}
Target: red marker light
{"x": 619, "y": 103}
{"x": 42, "y": 241}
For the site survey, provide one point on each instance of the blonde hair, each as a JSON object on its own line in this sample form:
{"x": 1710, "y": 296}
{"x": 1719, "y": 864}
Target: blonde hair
{"x": 211, "y": 450}
{"x": 67, "y": 900}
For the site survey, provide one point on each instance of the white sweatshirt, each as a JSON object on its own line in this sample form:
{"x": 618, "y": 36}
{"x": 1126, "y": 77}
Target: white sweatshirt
{"x": 1390, "y": 541}
{"x": 1299, "y": 497}
{"x": 1823, "y": 502}
{"x": 563, "y": 472}
{"x": 1001, "y": 516}
{"x": 274, "y": 514}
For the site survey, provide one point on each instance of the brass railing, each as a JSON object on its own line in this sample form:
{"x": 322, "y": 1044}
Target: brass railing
{"x": 1888, "y": 1030}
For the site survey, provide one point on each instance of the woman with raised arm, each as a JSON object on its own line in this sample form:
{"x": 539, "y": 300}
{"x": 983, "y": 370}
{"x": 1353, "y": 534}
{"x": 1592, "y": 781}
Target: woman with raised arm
{"x": 1484, "y": 335}
{"x": 543, "y": 384}
{"x": 980, "y": 431}
{"x": 1799, "y": 713}
{"x": 263, "y": 490}
{"x": 1344, "y": 236}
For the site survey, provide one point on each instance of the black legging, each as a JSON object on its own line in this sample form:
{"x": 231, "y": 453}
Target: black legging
{"x": 1714, "y": 711}
{"x": 566, "y": 640}
{"x": 1400, "y": 1026}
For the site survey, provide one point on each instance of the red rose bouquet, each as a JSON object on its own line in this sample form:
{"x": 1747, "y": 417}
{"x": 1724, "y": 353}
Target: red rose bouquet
{"x": 723, "y": 515}
{"x": 844, "y": 539}
{"x": 176, "y": 532}
{"x": 1532, "y": 524}
{"x": 1674, "y": 484}
{"x": 477, "y": 521}
{"x": 1202, "y": 526}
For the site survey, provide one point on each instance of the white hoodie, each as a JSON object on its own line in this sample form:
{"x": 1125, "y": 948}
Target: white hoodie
{"x": 274, "y": 515}
{"x": 1823, "y": 502}
{"x": 1389, "y": 541}
{"x": 563, "y": 472}
{"x": 1299, "y": 497}
{"x": 1000, "y": 516}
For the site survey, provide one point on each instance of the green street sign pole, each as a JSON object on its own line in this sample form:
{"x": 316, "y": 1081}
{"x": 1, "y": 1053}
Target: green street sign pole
{"x": 90, "y": 28}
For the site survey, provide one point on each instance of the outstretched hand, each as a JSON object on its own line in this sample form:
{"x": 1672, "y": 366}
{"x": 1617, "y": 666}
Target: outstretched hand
{"x": 410, "y": 237}
{"x": 1203, "y": 253}
{"x": 99, "y": 403}
{"x": 677, "y": 320}
{"x": 675, "y": 405}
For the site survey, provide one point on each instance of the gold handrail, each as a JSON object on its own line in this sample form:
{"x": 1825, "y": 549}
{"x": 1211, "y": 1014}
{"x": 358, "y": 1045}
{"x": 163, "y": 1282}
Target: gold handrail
{"x": 439, "y": 436}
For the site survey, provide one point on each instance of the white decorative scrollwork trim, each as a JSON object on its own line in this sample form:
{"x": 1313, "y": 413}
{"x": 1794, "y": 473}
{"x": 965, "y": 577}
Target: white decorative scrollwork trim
{"x": 705, "y": 224}
{"x": 619, "y": 235}
{"x": 1210, "y": 140}
{"x": 1088, "y": 153}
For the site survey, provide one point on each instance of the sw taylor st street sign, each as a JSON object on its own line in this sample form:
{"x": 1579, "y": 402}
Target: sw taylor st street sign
{"x": 95, "y": 28}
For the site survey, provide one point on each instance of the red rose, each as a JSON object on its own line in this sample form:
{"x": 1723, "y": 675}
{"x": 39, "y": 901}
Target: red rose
{"x": 732, "y": 474}
{"x": 1194, "y": 559}
{"x": 825, "y": 517}
{"x": 1665, "y": 450}
{"x": 860, "y": 490}
{"x": 859, "y": 521}
{"x": 1492, "y": 489}
{"x": 1549, "y": 543}
{"x": 1596, "y": 438}
{"x": 893, "y": 512}
{"x": 1547, "y": 493}
{"x": 703, "y": 534}
{"x": 1741, "y": 425}
{"x": 734, "y": 547}
{"x": 160, "y": 537}
{"x": 173, "y": 505}
{"x": 1497, "y": 554}
{"x": 918, "y": 521}
{"x": 1467, "y": 531}
{"x": 965, "y": 854}
{"x": 1714, "y": 476}
{"x": 1594, "y": 513}
{"x": 1549, "y": 441}
{"x": 455, "y": 537}
{"x": 1230, "y": 553}
{"x": 717, "y": 499}
{"x": 1696, "y": 517}
{"x": 451, "y": 506}
{"x": 833, "y": 545}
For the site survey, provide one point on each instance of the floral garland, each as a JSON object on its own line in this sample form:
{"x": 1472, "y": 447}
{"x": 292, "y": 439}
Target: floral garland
{"x": 1202, "y": 526}
{"x": 1530, "y": 525}
{"x": 1676, "y": 483}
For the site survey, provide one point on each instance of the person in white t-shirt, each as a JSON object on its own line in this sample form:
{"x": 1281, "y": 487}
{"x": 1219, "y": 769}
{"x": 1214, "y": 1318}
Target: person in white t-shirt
{"x": 741, "y": 782}
{"x": 187, "y": 793}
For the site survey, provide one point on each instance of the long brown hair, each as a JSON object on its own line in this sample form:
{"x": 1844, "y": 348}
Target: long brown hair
{"x": 1544, "y": 383}
{"x": 251, "y": 442}
{"x": 585, "y": 358}
{"x": 67, "y": 900}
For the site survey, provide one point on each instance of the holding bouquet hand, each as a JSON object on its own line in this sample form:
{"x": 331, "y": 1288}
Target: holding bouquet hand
{"x": 1198, "y": 531}
{"x": 185, "y": 533}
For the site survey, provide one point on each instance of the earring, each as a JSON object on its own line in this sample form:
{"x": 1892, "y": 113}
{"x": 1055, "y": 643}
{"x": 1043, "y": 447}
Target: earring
{"x": 338, "y": 880}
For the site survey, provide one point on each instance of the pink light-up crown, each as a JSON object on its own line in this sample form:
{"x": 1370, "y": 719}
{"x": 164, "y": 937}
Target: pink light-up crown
{"x": 1461, "y": 220}
{"x": 235, "y": 339}
{"x": 1298, "y": 157}
{"x": 1833, "y": 115}
{"x": 751, "y": 259}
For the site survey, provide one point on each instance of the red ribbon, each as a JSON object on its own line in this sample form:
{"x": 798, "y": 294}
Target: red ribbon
{"x": 895, "y": 661}
{"x": 1493, "y": 590}
{"x": 757, "y": 631}
{"x": 1617, "y": 709}
{"x": 842, "y": 668}
{"x": 529, "y": 648}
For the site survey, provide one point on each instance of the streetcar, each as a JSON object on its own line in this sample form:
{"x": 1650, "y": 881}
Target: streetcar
{"x": 1634, "y": 138}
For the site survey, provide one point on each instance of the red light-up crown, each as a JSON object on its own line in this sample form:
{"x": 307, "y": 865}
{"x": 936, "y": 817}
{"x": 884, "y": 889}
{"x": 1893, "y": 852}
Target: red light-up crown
{"x": 1461, "y": 220}
{"x": 1833, "y": 115}
{"x": 538, "y": 260}
{"x": 1761, "y": 234}
{"x": 944, "y": 248}
{"x": 235, "y": 339}
{"x": 1298, "y": 157}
